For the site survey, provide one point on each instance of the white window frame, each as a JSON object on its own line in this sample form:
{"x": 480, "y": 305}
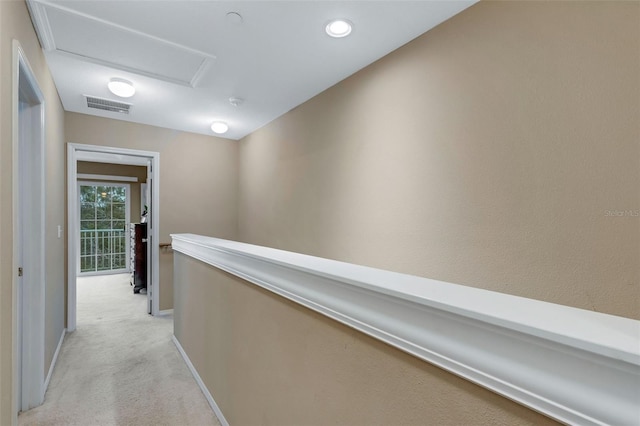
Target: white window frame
{"x": 126, "y": 228}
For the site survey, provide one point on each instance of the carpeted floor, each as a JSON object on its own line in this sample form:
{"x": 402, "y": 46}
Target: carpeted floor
{"x": 120, "y": 366}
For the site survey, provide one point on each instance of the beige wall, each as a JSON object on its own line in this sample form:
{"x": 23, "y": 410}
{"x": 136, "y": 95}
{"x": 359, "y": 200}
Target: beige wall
{"x": 16, "y": 24}
{"x": 269, "y": 361}
{"x": 107, "y": 169}
{"x": 198, "y": 179}
{"x": 487, "y": 153}
{"x": 484, "y": 153}
{"x": 5, "y": 401}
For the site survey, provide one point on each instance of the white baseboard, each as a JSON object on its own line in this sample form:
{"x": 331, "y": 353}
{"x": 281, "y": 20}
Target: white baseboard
{"x": 165, "y": 312}
{"x": 203, "y": 387}
{"x": 53, "y": 363}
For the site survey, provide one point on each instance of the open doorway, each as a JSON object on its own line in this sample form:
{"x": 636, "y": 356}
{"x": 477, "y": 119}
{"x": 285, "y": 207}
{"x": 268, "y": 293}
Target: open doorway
{"x": 77, "y": 154}
{"x": 113, "y": 214}
{"x": 29, "y": 235}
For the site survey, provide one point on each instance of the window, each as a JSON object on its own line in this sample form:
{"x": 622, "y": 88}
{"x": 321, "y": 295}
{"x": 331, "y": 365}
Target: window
{"x": 104, "y": 215}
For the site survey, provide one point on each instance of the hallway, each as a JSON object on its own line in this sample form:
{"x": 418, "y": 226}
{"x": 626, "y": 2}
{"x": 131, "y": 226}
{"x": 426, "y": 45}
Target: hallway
{"x": 120, "y": 366}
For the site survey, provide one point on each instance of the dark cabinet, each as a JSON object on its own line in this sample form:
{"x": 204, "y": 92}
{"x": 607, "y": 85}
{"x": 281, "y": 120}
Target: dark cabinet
{"x": 139, "y": 256}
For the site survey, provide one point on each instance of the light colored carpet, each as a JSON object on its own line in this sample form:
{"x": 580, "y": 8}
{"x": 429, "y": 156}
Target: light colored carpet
{"x": 120, "y": 366}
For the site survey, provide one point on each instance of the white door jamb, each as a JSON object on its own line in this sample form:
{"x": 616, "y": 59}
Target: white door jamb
{"x": 28, "y": 172}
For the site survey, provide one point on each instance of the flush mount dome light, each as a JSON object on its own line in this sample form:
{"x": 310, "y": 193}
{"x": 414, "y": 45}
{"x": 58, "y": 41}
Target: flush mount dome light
{"x": 219, "y": 127}
{"x": 338, "y": 28}
{"x": 121, "y": 87}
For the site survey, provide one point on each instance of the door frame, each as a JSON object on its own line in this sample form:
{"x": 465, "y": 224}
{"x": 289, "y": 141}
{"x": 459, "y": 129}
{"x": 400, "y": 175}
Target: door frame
{"x": 104, "y": 154}
{"x": 28, "y": 331}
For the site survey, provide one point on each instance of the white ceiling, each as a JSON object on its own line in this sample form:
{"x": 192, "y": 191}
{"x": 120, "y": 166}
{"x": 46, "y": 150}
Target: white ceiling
{"x": 187, "y": 58}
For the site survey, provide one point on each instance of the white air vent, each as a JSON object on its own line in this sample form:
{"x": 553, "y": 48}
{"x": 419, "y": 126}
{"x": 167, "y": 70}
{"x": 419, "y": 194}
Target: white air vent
{"x": 107, "y": 105}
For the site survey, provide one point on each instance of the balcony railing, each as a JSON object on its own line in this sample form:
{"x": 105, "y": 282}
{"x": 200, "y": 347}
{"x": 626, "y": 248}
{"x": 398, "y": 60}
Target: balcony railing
{"x": 103, "y": 250}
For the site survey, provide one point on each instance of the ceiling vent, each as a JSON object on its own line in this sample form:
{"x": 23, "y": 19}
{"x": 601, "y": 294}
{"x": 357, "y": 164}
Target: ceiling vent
{"x": 107, "y": 105}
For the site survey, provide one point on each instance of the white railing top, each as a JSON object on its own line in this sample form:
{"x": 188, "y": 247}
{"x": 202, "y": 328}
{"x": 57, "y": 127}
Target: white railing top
{"x": 403, "y": 308}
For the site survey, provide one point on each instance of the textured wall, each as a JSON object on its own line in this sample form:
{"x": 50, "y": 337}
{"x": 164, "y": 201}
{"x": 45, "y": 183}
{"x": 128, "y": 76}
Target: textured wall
{"x": 15, "y": 23}
{"x": 486, "y": 152}
{"x": 269, "y": 361}
{"x": 494, "y": 151}
{"x": 198, "y": 179}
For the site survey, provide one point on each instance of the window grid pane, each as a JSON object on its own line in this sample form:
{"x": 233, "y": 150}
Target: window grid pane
{"x": 103, "y": 241}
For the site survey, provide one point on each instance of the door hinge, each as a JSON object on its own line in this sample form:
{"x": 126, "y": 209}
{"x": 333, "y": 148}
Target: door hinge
{"x": 20, "y": 271}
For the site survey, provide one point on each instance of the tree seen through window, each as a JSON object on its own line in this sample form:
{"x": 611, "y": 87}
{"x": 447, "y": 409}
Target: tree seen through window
{"x": 103, "y": 227}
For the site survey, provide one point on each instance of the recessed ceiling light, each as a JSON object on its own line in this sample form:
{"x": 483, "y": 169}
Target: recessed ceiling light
{"x": 338, "y": 28}
{"x": 121, "y": 87}
{"x": 219, "y": 127}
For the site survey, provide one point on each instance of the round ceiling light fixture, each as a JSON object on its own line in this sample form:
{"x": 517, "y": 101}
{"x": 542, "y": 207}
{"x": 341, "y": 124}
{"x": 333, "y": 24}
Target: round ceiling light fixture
{"x": 121, "y": 87}
{"x": 219, "y": 127}
{"x": 338, "y": 28}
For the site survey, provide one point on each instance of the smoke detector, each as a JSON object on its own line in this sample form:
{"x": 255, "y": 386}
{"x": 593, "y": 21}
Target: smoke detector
{"x": 235, "y": 101}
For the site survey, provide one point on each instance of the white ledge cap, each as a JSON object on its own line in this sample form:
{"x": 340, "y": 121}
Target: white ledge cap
{"x": 608, "y": 335}
{"x": 577, "y": 366}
